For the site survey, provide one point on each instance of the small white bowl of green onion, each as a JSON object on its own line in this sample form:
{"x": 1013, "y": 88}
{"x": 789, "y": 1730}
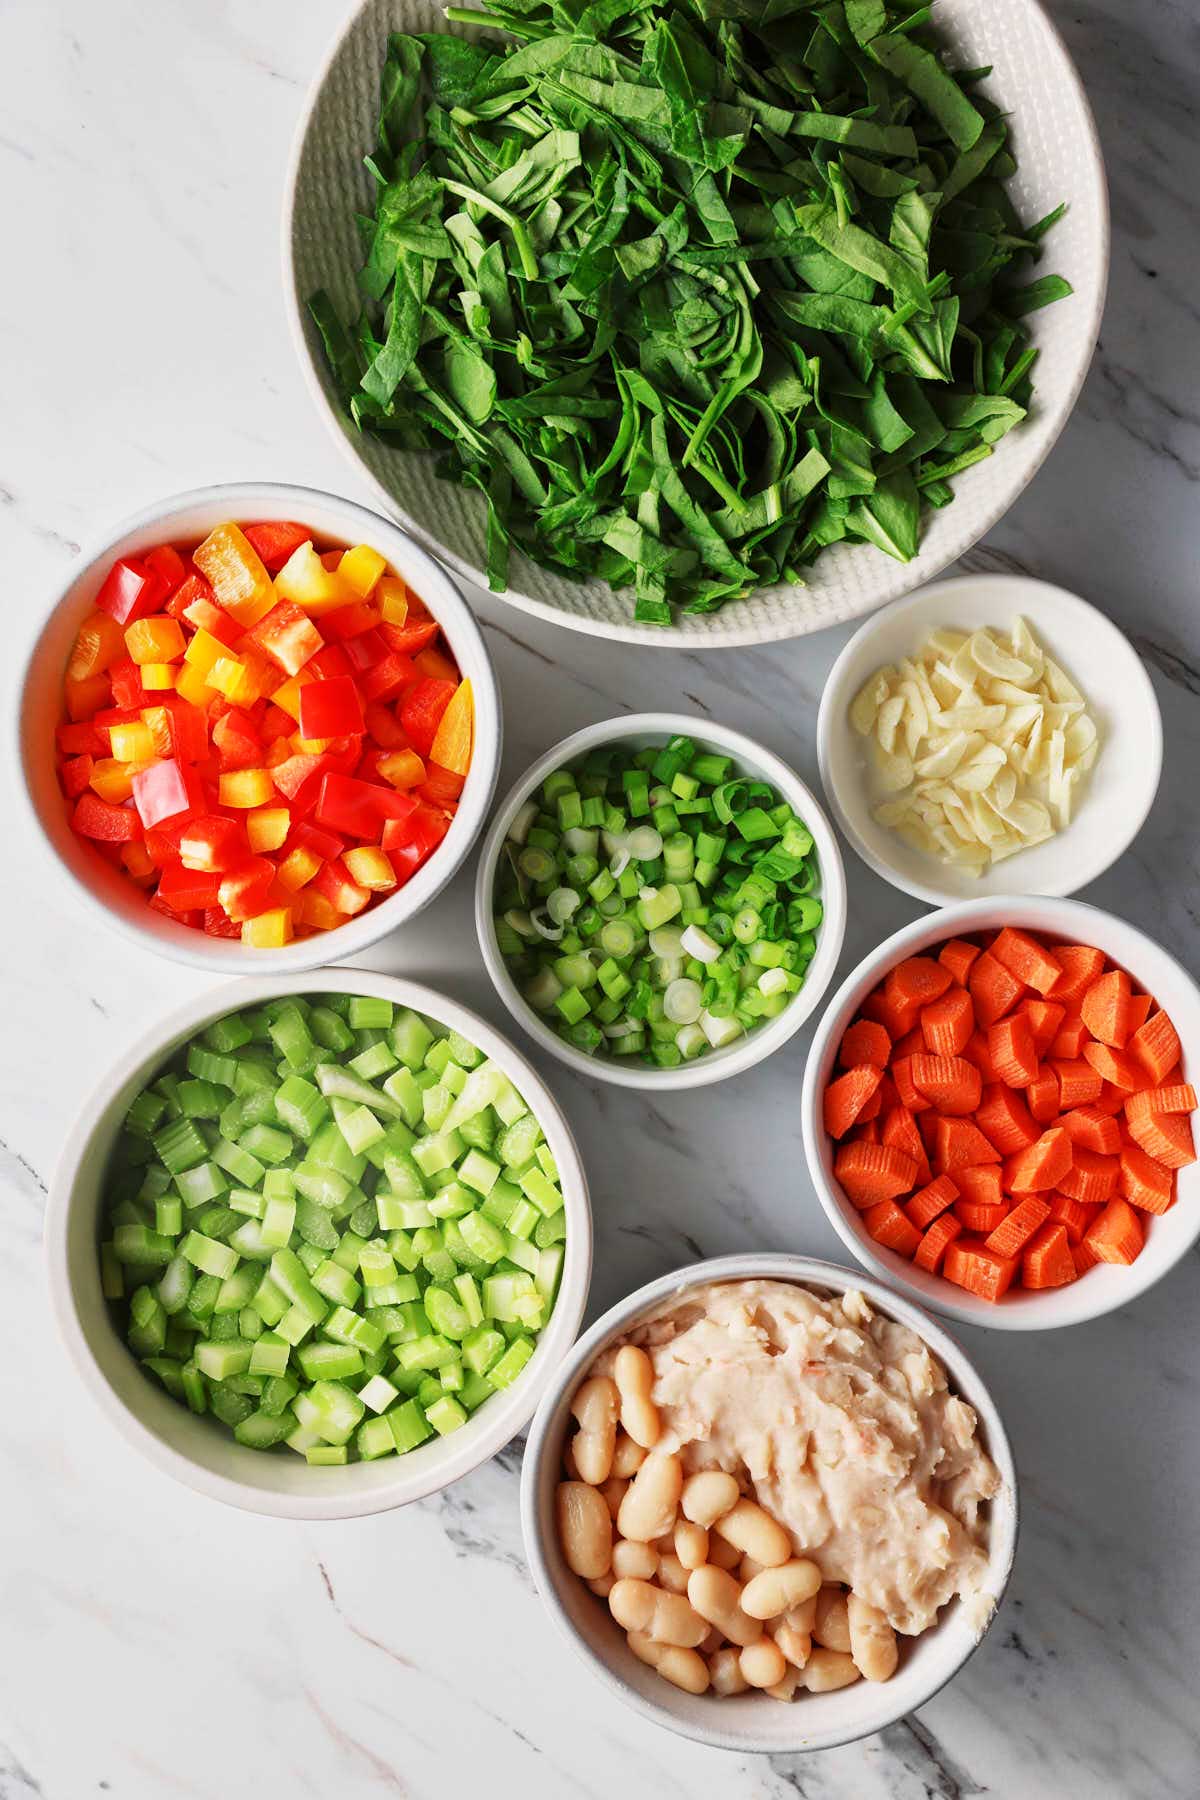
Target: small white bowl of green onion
{"x": 317, "y": 1244}
{"x": 660, "y": 901}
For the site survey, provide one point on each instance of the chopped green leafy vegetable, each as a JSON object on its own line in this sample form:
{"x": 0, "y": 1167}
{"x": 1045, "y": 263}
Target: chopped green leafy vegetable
{"x": 690, "y": 289}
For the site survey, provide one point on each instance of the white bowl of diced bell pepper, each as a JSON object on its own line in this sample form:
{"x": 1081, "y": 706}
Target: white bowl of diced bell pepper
{"x": 179, "y": 1391}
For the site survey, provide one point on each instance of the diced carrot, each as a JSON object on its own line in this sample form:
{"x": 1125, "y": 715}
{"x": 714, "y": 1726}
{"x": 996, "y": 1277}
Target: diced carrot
{"x": 918, "y": 979}
{"x": 1105, "y": 1009}
{"x": 1045, "y": 1017}
{"x": 1117, "y": 1235}
{"x": 873, "y": 1006}
{"x": 977, "y": 1217}
{"x": 1091, "y": 1178}
{"x": 1095, "y": 1130}
{"x": 899, "y": 1129}
{"x": 961, "y": 1145}
{"x": 1145, "y": 1182}
{"x": 1047, "y": 1261}
{"x": 889, "y": 1227}
{"x": 870, "y": 1107}
{"x": 1070, "y": 1038}
{"x": 846, "y": 1097}
{"x": 1014, "y": 1232}
{"x": 948, "y": 1023}
{"x": 1072, "y": 1214}
{"x": 979, "y": 1270}
{"x": 1081, "y": 965}
{"x": 1078, "y": 1083}
{"x": 1005, "y": 1119}
{"x": 865, "y": 1041}
{"x": 1030, "y": 962}
{"x": 1116, "y": 1066}
{"x": 1083, "y": 1256}
{"x": 1139, "y": 1010}
{"x": 957, "y": 955}
{"x": 911, "y": 1044}
{"x": 910, "y": 1095}
{"x": 1180, "y": 1097}
{"x": 982, "y": 1185}
{"x": 866, "y": 1131}
{"x": 1012, "y": 1050}
{"x": 873, "y": 1172}
{"x": 994, "y": 989}
{"x": 1112, "y": 1099}
{"x": 1167, "y": 1137}
{"x": 1042, "y": 1096}
{"x": 1155, "y": 1046}
{"x": 925, "y": 1205}
{"x": 887, "y": 1095}
{"x": 950, "y": 1082}
{"x": 978, "y": 1053}
{"x": 937, "y": 1240}
{"x": 1041, "y": 1165}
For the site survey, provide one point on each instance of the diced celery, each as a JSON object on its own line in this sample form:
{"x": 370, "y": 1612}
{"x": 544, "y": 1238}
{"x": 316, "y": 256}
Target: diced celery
{"x": 446, "y": 1415}
{"x": 200, "y": 1100}
{"x": 523, "y": 1219}
{"x": 408, "y": 1425}
{"x": 237, "y": 1289}
{"x": 503, "y": 1373}
{"x": 138, "y": 1244}
{"x": 519, "y": 1251}
{"x": 313, "y": 1224}
{"x": 478, "y": 1171}
{"x": 357, "y": 1124}
{"x": 336, "y": 1283}
{"x": 210, "y": 1257}
{"x": 247, "y": 1201}
{"x": 267, "y": 1142}
{"x": 326, "y": 1456}
{"x": 278, "y": 1393}
{"x": 329, "y": 1150}
{"x": 278, "y": 1218}
{"x": 401, "y": 1088}
{"x": 221, "y": 1360}
{"x": 482, "y": 1237}
{"x": 329, "y": 1362}
{"x": 204, "y": 1182}
{"x": 441, "y": 1151}
{"x": 372, "y": 1063}
{"x": 245, "y": 1168}
{"x": 301, "y": 1107}
{"x": 537, "y": 1187}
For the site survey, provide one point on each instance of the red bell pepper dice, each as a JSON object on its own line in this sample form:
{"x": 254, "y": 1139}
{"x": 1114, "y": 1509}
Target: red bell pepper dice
{"x": 350, "y": 621}
{"x": 127, "y": 686}
{"x": 384, "y": 726}
{"x": 129, "y": 591}
{"x": 331, "y": 709}
{"x": 245, "y": 891}
{"x": 238, "y": 743}
{"x": 275, "y": 540}
{"x": 213, "y": 842}
{"x": 206, "y": 615}
{"x": 106, "y": 823}
{"x": 391, "y": 673}
{"x": 81, "y": 740}
{"x": 76, "y": 773}
{"x": 334, "y": 883}
{"x": 421, "y": 708}
{"x": 409, "y": 638}
{"x": 186, "y": 890}
{"x": 163, "y": 791}
{"x": 329, "y": 662}
{"x": 364, "y": 651}
{"x": 419, "y": 827}
{"x": 193, "y": 587}
{"x": 359, "y": 808}
{"x": 166, "y": 564}
{"x": 405, "y": 861}
{"x": 441, "y": 787}
{"x": 162, "y": 843}
{"x": 179, "y": 730}
{"x": 288, "y": 636}
{"x": 310, "y": 837}
{"x": 217, "y": 923}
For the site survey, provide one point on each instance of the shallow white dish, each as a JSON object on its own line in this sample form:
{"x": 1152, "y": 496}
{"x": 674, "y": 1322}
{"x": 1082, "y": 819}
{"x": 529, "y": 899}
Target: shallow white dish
{"x": 752, "y": 1722}
{"x": 639, "y": 730}
{"x": 1103, "y": 664}
{"x": 1102, "y": 1289}
{"x": 111, "y": 896}
{"x": 1059, "y": 160}
{"x": 198, "y": 1451}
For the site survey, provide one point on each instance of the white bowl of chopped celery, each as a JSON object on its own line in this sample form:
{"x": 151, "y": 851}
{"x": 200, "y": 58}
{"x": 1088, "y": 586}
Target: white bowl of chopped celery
{"x": 644, "y": 1013}
{"x": 267, "y": 1295}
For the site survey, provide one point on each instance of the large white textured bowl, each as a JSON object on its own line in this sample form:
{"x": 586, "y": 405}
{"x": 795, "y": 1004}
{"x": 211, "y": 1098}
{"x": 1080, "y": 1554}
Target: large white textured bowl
{"x": 1059, "y": 160}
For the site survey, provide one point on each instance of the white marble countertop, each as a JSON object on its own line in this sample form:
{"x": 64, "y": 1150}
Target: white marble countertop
{"x": 154, "y": 1644}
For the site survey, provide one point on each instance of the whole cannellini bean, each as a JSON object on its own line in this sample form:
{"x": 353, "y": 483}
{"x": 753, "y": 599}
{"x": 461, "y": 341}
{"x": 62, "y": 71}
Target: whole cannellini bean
{"x": 716, "y": 1596}
{"x": 603, "y": 1585}
{"x": 775, "y": 1590}
{"x": 747, "y": 1569}
{"x": 801, "y": 1616}
{"x": 712, "y": 1641}
{"x": 721, "y": 1554}
{"x": 708, "y": 1494}
{"x": 826, "y": 1670}
{"x": 569, "y": 1464}
{"x": 644, "y": 1648}
{"x": 633, "y": 1373}
{"x": 584, "y": 1529}
{"x": 872, "y": 1640}
{"x": 650, "y": 1503}
{"x": 691, "y": 1544}
{"x": 595, "y": 1406}
{"x": 637, "y": 1562}
{"x": 796, "y": 1645}
{"x": 668, "y": 1618}
{"x": 725, "y": 1672}
{"x": 786, "y": 1689}
{"x": 628, "y": 1456}
{"x": 831, "y": 1626}
{"x": 683, "y": 1669}
{"x": 755, "y": 1533}
{"x": 672, "y": 1574}
{"x": 763, "y": 1663}
{"x": 612, "y": 1492}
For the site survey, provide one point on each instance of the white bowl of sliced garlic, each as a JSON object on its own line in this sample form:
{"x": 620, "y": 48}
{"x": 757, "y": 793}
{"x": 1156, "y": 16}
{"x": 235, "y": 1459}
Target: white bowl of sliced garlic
{"x": 991, "y": 734}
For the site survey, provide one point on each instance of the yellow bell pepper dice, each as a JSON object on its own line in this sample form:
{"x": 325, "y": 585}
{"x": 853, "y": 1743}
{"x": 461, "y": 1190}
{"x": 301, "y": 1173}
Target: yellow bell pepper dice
{"x": 392, "y": 598}
{"x": 267, "y": 827}
{"x": 245, "y": 787}
{"x": 452, "y": 741}
{"x": 203, "y": 651}
{"x": 158, "y": 675}
{"x": 235, "y": 571}
{"x": 361, "y": 568}
{"x": 98, "y": 644}
{"x": 316, "y": 912}
{"x": 156, "y": 640}
{"x": 191, "y": 686}
{"x": 403, "y": 768}
{"x": 308, "y": 584}
{"x": 371, "y": 867}
{"x": 112, "y": 780}
{"x": 131, "y": 742}
{"x": 297, "y": 867}
{"x": 269, "y": 930}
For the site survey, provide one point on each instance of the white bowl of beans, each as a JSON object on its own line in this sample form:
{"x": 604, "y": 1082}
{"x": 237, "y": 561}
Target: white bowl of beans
{"x": 733, "y": 1716}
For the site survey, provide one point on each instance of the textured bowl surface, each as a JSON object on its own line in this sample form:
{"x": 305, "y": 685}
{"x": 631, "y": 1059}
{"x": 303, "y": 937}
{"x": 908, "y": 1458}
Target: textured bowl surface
{"x": 201, "y": 1453}
{"x": 1104, "y": 665}
{"x": 1102, "y": 1289}
{"x": 750, "y": 1721}
{"x": 1059, "y": 160}
{"x": 638, "y": 730}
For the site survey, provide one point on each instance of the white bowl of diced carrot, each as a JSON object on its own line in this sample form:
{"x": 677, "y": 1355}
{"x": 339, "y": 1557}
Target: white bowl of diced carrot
{"x": 212, "y": 728}
{"x": 997, "y": 1112}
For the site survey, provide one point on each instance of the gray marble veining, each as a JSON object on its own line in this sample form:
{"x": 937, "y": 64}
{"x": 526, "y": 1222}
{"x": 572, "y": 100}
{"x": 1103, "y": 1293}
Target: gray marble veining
{"x": 153, "y": 1644}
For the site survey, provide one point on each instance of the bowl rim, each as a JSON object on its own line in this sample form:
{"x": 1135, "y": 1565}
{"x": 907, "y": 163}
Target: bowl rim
{"x": 894, "y": 584}
{"x": 753, "y": 1047}
{"x": 194, "y": 948}
{"x": 516, "y": 1404}
{"x": 835, "y": 696}
{"x": 805, "y": 1270}
{"x": 1054, "y": 1308}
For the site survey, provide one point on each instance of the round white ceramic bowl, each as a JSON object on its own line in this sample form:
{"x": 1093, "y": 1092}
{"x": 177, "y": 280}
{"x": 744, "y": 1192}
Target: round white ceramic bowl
{"x": 198, "y": 1451}
{"x": 638, "y": 730}
{"x": 1059, "y": 156}
{"x": 1102, "y": 1289}
{"x": 1105, "y": 667}
{"x": 752, "y": 1722}
{"x": 115, "y": 899}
